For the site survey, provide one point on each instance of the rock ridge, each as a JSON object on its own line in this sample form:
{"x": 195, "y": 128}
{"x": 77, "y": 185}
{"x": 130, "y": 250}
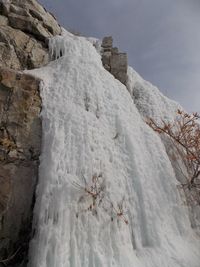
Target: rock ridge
{"x": 114, "y": 61}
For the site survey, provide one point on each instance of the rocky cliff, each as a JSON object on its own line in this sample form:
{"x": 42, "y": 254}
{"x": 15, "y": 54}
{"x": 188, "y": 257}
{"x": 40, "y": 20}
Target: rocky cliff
{"x": 20, "y": 139}
{"x": 25, "y": 27}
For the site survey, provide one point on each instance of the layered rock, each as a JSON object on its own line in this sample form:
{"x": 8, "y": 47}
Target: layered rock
{"x": 114, "y": 61}
{"x": 25, "y": 28}
{"x": 20, "y": 141}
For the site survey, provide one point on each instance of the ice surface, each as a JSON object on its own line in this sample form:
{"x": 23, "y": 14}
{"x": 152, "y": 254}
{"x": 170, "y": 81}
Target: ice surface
{"x": 92, "y": 126}
{"x": 152, "y": 104}
{"x": 149, "y": 100}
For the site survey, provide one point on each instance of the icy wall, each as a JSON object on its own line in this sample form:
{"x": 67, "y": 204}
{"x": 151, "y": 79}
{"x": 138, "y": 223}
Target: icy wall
{"x": 95, "y": 137}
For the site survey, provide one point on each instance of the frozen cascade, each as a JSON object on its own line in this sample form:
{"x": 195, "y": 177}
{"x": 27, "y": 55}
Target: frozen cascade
{"x": 92, "y": 127}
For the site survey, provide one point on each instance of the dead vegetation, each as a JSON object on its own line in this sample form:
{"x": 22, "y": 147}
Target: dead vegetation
{"x": 93, "y": 196}
{"x": 93, "y": 191}
{"x": 184, "y": 133}
{"x": 119, "y": 211}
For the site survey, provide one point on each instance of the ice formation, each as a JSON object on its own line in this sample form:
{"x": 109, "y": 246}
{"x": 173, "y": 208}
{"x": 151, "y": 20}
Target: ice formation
{"x": 94, "y": 127}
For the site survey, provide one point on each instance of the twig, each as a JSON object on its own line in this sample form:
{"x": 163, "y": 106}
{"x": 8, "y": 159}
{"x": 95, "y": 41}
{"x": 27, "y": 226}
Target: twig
{"x": 5, "y": 261}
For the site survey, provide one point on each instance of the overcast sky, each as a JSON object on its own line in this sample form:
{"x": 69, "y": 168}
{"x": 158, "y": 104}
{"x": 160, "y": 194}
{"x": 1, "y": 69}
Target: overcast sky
{"x": 161, "y": 37}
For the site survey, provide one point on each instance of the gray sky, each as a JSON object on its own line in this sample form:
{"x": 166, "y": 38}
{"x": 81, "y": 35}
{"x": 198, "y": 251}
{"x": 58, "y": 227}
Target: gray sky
{"x": 161, "y": 37}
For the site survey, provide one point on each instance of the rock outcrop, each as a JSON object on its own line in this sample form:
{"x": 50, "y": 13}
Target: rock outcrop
{"x": 20, "y": 141}
{"x": 114, "y": 61}
{"x": 25, "y": 28}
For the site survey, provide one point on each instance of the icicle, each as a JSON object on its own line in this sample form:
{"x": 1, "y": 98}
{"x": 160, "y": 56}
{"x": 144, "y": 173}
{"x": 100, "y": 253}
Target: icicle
{"x": 57, "y": 47}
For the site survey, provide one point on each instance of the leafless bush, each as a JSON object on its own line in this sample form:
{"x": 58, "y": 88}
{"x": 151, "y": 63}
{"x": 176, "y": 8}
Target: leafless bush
{"x": 93, "y": 190}
{"x": 95, "y": 196}
{"x": 185, "y": 135}
{"x": 119, "y": 211}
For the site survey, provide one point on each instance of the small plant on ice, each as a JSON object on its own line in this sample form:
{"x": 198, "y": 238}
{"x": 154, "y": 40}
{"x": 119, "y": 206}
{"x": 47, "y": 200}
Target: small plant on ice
{"x": 94, "y": 195}
{"x": 119, "y": 211}
{"x": 185, "y": 136}
{"x": 93, "y": 192}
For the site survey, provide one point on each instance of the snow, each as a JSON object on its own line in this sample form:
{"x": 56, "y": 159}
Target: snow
{"x": 92, "y": 126}
{"x": 150, "y": 102}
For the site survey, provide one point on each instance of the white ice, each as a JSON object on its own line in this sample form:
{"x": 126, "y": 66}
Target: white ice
{"x": 92, "y": 125}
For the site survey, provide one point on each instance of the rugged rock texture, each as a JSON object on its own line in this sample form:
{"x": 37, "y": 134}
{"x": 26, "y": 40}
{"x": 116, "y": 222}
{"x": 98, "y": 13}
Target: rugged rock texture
{"x": 20, "y": 141}
{"x": 114, "y": 61}
{"x": 25, "y": 27}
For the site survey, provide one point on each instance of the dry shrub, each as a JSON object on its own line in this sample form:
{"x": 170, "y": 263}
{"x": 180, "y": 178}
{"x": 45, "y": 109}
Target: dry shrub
{"x": 94, "y": 192}
{"x": 184, "y": 132}
{"x": 119, "y": 211}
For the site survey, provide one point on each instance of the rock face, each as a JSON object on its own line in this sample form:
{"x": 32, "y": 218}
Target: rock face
{"x": 20, "y": 141}
{"x": 114, "y": 61}
{"x": 25, "y": 27}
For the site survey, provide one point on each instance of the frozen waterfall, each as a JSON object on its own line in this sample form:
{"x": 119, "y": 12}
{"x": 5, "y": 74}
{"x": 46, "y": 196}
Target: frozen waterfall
{"x": 92, "y": 127}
